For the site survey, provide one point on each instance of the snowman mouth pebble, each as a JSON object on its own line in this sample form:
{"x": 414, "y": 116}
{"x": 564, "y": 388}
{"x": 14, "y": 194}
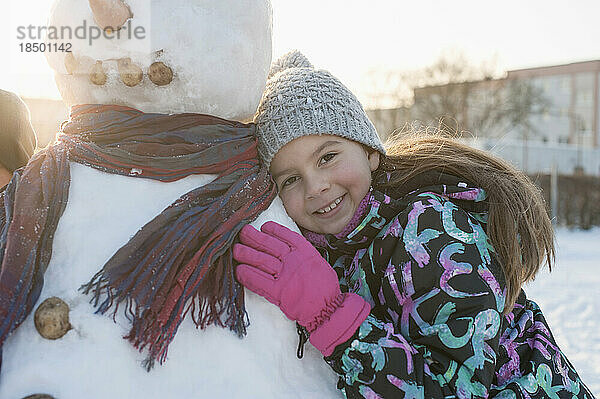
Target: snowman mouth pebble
{"x": 131, "y": 74}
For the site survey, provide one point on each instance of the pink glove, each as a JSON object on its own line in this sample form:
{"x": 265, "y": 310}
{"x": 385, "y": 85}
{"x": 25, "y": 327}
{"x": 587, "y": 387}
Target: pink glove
{"x": 287, "y": 270}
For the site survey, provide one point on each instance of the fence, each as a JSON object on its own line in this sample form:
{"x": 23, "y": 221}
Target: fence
{"x": 577, "y": 202}
{"x": 536, "y": 157}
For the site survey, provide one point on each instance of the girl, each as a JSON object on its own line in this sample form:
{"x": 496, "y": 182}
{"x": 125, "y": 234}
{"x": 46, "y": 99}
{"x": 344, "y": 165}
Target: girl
{"x": 424, "y": 250}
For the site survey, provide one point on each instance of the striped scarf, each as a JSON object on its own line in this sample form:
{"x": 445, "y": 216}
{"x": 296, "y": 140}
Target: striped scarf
{"x": 180, "y": 261}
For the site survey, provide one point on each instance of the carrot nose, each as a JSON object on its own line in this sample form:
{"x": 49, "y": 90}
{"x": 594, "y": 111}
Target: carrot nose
{"x": 110, "y": 14}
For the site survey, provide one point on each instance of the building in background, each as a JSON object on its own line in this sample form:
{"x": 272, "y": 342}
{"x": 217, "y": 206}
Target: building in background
{"x": 390, "y": 120}
{"x": 574, "y": 110}
{"x": 500, "y": 115}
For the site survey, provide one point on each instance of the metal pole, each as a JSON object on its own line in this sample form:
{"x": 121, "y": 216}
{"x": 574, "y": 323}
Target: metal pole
{"x": 554, "y": 192}
{"x": 524, "y": 154}
{"x": 579, "y": 128}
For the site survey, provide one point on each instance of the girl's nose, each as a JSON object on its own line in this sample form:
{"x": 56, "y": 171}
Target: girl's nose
{"x": 316, "y": 187}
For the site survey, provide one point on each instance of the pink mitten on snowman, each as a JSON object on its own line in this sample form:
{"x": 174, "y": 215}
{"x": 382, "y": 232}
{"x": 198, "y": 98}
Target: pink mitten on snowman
{"x": 283, "y": 267}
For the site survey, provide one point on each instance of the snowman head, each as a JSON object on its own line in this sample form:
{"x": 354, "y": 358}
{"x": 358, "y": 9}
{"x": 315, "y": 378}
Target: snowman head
{"x": 167, "y": 56}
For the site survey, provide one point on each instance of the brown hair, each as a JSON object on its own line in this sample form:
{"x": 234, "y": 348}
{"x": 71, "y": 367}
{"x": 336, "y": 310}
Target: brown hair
{"x": 518, "y": 224}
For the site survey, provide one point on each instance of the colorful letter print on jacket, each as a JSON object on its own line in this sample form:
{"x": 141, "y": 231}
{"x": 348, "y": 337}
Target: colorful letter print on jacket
{"x": 436, "y": 329}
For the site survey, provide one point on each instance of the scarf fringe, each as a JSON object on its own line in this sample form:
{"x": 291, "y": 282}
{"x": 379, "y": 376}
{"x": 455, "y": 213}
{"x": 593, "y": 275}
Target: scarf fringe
{"x": 224, "y": 309}
{"x": 158, "y": 295}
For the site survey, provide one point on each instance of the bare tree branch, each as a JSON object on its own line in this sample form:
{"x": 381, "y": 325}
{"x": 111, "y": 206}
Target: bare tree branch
{"x": 479, "y": 100}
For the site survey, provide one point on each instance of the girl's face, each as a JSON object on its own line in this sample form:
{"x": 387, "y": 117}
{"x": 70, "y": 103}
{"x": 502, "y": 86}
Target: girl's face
{"x": 321, "y": 180}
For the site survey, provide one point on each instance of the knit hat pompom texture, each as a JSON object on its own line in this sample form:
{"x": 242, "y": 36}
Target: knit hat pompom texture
{"x": 300, "y": 100}
{"x": 293, "y": 59}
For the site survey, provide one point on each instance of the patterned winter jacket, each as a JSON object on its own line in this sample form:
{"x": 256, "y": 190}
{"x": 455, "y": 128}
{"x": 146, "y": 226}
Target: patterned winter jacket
{"x": 436, "y": 328}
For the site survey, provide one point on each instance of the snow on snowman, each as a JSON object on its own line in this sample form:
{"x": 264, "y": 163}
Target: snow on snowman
{"x": 138, "y": 202}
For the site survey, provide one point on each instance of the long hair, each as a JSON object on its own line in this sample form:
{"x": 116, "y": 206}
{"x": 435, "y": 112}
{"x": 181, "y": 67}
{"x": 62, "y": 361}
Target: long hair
{"x": 518, "y": 224}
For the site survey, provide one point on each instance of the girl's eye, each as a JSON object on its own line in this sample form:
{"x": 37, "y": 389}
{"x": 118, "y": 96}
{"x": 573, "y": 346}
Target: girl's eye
{"x": 327, "y": 157}
{"x": 289, "y": 181}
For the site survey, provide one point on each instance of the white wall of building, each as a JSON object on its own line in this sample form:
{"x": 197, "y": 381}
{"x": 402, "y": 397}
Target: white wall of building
{"x": 536, "y": 157}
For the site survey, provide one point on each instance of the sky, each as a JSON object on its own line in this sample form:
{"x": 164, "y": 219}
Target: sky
{"x": 356, "y": 39}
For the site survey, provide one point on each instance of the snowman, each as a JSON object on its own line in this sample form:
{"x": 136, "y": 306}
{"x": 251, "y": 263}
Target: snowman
{"x": 177, "y": 78}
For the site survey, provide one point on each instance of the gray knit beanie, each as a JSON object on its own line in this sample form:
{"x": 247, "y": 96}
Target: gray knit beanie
{"x": 300, "y": 100}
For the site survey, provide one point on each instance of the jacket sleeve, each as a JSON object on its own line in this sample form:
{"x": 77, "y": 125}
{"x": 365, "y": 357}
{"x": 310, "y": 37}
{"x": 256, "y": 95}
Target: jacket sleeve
{"x": 435, "y": 326}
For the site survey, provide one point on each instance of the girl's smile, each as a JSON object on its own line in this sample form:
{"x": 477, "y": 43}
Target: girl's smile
{"x": 330, "y": 209}
{"x": 322, "y": 179}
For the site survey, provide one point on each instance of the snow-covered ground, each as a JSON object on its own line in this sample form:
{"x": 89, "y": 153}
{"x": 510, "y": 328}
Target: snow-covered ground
{"x": 570, "y": 299}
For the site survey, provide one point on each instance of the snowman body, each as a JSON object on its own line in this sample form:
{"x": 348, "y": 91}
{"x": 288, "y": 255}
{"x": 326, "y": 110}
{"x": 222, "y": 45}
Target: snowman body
{"x": 104, "y": 211}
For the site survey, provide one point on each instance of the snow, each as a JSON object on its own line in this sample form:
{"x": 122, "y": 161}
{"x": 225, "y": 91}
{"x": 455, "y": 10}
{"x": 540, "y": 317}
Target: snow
{"x": 189, "y": 36}
{"x": 93, "y": 361}
{"x": 569, "y": 297}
